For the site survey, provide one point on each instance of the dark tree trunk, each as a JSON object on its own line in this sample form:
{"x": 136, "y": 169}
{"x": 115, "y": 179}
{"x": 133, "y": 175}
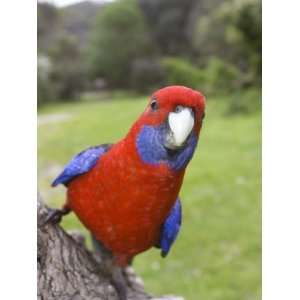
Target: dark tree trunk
{"x": 67, "y": 270}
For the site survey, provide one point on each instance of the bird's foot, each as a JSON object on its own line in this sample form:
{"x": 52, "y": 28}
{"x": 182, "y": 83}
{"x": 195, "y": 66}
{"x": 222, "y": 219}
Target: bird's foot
{"x": 124, "y": 280}
{"x": 119, "y": 282}
{"x": 132, "y": 280}
{"x": 55, "y": 215}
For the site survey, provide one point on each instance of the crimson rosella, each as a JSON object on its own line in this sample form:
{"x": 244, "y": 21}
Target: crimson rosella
{"x": 126, "y": 194}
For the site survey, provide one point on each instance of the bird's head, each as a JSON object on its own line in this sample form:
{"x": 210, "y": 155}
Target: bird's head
{"x": 180, "y": 109}
{"x": 170, "y": 124}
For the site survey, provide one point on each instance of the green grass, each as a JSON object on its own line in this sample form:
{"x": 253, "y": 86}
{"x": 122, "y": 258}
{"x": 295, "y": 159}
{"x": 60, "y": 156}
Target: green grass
{"x": 217, "y": 254}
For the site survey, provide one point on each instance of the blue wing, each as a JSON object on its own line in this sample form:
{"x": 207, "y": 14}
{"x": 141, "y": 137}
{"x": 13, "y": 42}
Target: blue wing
{"x": 170, "y": 229}
{"x": 81, "y": 163}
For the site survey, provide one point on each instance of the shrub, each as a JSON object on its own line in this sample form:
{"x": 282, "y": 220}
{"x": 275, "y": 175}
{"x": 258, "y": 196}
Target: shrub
{"x": 68, "y": 73}
{"x": 119, "y": 37}
{"x": 180, "y": 72}
{"x": 221, "y": 77}
{"x": 245, "y": 101}
{"x": 232, "y": 32}
{"x": 45, "y": 89}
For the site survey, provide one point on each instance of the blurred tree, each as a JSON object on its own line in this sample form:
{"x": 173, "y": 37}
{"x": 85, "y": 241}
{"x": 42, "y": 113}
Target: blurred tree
{"x": 45, "y": 91}
{"x": 118, "y": 39}
{"x": 48, "y": 23}
{"x": 244, "y": 101}
{"x": 248, "y": 24}
{"x": 221, "y": 77}
{"x": 171, "y": 24}
{"x": 146, "y": 74}
{"x": 78, "y": 18}
{"x": 68, "y": 73}
{"x": 180, "y": 71}
{"x": 212, "y": 45}
{"x": 232, "y": 32}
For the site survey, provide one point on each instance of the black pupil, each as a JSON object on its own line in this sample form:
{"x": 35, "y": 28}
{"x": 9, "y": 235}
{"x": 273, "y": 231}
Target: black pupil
{"x": 178, "y": 109}
{"x": 154, "y": 105}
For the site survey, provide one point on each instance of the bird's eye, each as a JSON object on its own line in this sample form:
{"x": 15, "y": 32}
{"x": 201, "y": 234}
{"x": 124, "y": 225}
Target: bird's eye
{"x": 154, "y": 104}
{"x": 178, "y": 108}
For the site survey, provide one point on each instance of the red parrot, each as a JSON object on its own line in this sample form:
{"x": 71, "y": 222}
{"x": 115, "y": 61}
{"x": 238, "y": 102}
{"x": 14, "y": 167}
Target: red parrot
{"x": 126, "y": 194}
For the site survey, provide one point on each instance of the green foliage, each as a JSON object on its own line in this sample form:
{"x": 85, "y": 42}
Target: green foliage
{"x": 180, "y": 72}
{"x": 140, "y": 45}
{"x": 221, "y": 77}
{"x": 68, "y": 73}
{"x": 218, "y": 252}
{"x": 118, "y": 38}
{"x": 232, "y": 32}
{"x": 61, "y": 74}
{"x": 248, "y": 23}
{"x": 45, "y": 90}
{"x": 245, "y": 101}
{"x": 218, "y": 77}
{"x": 170, "y": 24}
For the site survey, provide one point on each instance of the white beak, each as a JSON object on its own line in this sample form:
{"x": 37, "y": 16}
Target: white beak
{"x": 181, "y": 124}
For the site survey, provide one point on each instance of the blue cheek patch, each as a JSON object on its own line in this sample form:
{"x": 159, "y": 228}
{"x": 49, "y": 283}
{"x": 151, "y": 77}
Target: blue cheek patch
{"x": 150, "y": 147}
{"x": 182, "y": 158}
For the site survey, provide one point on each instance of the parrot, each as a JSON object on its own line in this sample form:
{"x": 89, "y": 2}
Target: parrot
{"x": 127, "y": 193}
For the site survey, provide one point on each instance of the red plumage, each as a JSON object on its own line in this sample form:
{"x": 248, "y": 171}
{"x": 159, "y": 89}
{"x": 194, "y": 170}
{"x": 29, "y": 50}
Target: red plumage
{"x": 122, "y": 200}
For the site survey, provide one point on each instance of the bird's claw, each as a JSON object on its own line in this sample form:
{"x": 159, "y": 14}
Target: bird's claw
{"x": 55, "y": 216}
{"x": 118, "y": 281}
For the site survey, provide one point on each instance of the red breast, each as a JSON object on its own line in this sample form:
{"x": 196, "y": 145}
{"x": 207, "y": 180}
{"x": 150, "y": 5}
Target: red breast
{"x": 124, "y": 201}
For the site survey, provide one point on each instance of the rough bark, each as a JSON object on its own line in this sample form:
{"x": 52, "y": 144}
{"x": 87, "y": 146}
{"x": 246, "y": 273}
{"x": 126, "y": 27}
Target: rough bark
{"x": 67, "y": 270}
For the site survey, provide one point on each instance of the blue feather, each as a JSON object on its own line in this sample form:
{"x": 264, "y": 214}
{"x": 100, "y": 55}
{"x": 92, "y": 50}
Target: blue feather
{"x": 80, "y": 164}
{"x": 150, "y": 146}
{"x": 170, "y": 229}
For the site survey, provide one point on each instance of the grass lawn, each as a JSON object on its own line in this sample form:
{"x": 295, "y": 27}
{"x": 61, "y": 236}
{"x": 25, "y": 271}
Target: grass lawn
{"x": 217, "y": 254}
